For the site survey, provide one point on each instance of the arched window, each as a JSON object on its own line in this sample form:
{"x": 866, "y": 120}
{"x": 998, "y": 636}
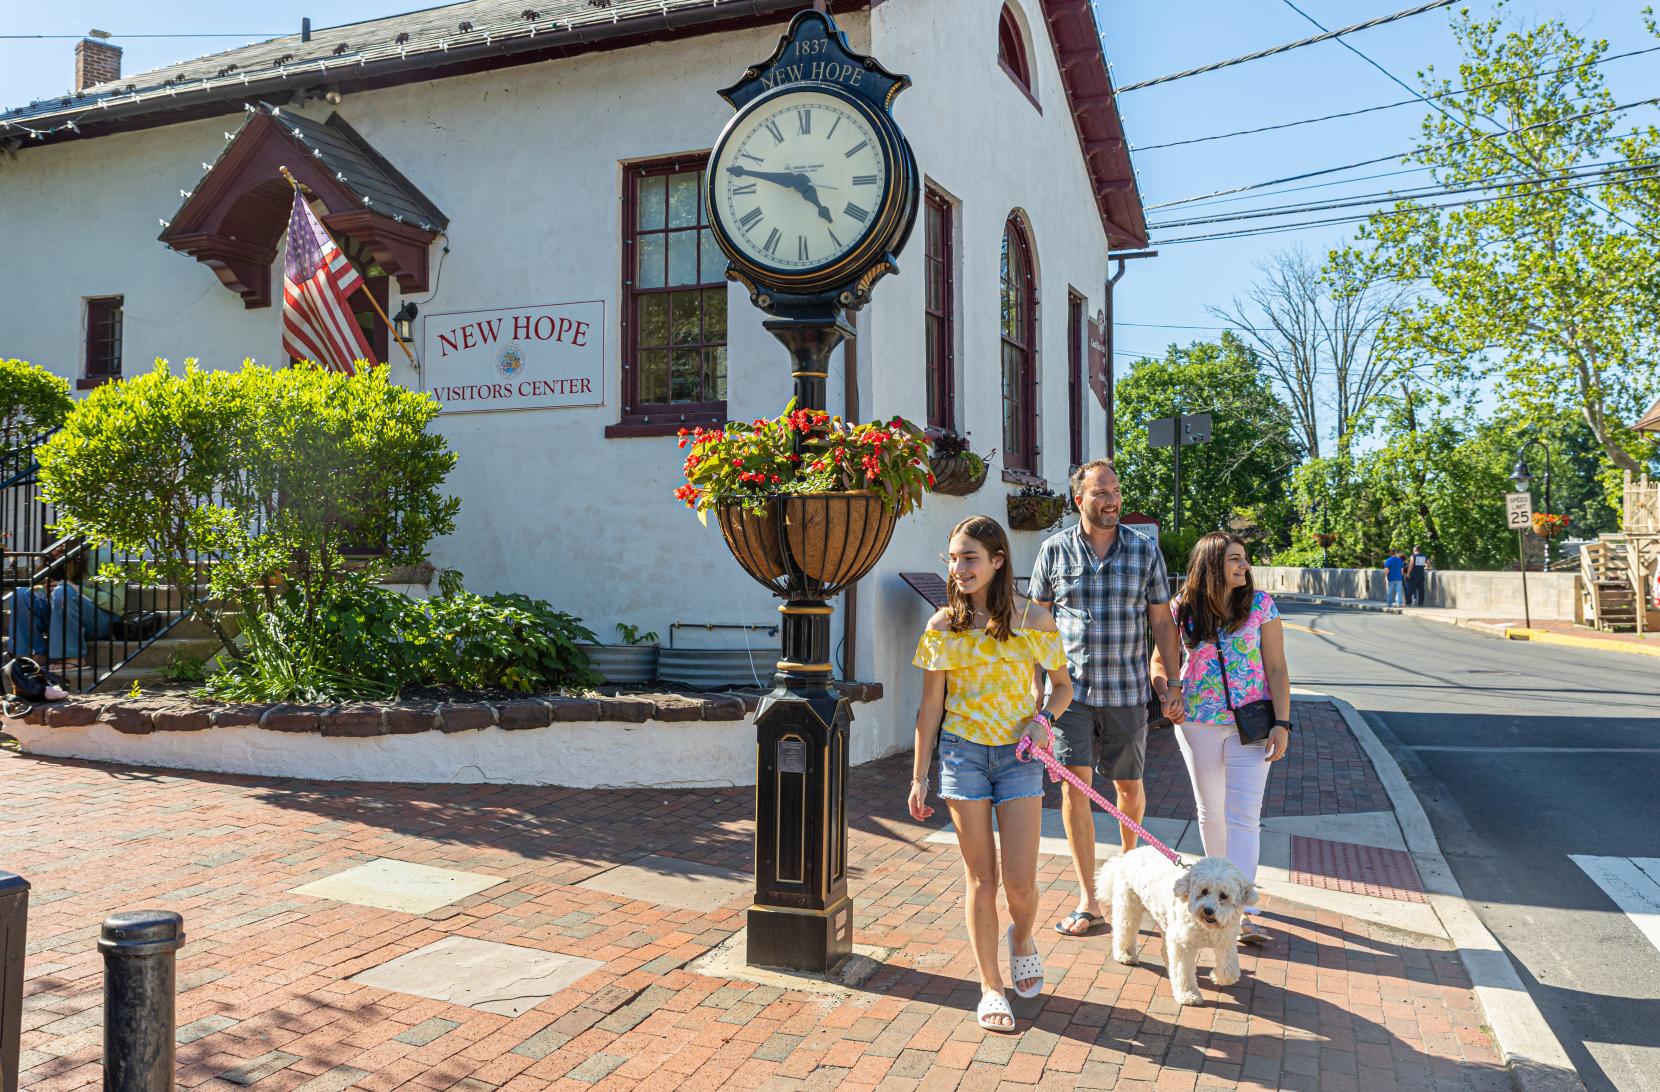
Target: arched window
{"x": 1011, "y": 51}
{"x": 1019, "y": 343}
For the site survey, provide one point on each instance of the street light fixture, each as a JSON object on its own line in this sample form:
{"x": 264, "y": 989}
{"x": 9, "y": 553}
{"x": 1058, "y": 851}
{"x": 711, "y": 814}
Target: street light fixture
{"x": 1520, "y": 476}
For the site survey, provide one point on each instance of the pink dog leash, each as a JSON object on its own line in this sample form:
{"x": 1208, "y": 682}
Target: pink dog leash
{"x": 1026, "y": 749}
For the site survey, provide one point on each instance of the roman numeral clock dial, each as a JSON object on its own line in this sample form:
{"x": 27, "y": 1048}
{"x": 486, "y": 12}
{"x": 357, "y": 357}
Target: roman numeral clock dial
{"x": 798, "y": 182}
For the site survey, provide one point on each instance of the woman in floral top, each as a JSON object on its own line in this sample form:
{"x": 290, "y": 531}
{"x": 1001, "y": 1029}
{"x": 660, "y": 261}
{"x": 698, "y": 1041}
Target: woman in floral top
{"x": 1218, "y": 611}
{"x": 977, "y": 656}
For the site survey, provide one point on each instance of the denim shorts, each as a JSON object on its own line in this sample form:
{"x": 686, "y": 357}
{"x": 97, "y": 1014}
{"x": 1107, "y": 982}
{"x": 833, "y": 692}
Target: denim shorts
{"x": 980, "y": 771}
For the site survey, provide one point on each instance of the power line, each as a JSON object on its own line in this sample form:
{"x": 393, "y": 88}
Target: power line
{"x": 1390, "y": 105}
{"x": 1444, "y": 112}
{"x": 1274, "y": 229}
{"x": 1274, "y": 192}
{"x": 22, "y": 37}
{"x": 1410, "y": 152}
{"x": 1475, "y": 186}
{"x": 1170, "y": 326}
{"x": 1261, "y": 53}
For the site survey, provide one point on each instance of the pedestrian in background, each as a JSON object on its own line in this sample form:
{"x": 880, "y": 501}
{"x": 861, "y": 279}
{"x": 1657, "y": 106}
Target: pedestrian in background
{"x": 1235, "y": 655}
{"x": 1417, "y": 575}
{"x": 1394, "y": 571}
{"x": 977, "y": 656}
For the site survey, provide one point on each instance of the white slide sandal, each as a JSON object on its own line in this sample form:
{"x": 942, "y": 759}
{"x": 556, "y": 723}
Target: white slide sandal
{"x": 1022, "y": 967}
{"x": 994, "y": 1004}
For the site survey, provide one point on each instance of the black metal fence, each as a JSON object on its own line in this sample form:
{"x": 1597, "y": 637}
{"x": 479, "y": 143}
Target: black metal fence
{"x": 77, "y": 608}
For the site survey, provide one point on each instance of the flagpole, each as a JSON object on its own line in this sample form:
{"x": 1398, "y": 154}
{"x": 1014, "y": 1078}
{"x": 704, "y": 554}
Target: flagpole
{"x": 363, "y": 282}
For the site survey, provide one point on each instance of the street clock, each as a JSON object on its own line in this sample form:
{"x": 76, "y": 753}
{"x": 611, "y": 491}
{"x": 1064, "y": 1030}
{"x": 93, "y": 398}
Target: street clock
{"x": 812, "y": 188}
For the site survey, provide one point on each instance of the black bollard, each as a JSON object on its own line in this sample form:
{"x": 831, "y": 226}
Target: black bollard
{"x": 14, "y": 924}
{"x": 138, "y": 952}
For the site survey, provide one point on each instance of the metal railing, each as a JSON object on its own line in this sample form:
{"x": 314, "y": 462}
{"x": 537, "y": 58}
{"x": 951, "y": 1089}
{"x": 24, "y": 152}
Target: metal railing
{"x": 70, "y": 605}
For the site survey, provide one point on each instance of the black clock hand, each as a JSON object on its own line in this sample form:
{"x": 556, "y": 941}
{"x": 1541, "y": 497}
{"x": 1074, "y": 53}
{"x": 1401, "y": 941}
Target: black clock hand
{"x": 789, "y": 181}
{"x": 806, "y": 189}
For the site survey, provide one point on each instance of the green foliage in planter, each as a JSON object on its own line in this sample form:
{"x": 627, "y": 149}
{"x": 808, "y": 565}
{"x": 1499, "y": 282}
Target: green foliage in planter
{"x": 631, "y": 635}
{"x": 32, "y": 400}
{"x": 261, "y": 475}
{"x": 357, "y": 641}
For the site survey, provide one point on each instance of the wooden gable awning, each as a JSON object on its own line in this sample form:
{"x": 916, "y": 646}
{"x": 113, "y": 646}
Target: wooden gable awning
{"x": 1650, "y": 421}
{"x": 233, "y": 221}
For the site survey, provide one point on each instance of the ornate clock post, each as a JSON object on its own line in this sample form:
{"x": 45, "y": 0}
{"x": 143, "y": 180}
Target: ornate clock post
{"x": 812, "y": 190}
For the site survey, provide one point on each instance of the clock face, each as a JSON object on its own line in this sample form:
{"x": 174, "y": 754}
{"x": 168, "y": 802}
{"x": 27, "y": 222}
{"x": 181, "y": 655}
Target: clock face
{"x": 799, "y": 181}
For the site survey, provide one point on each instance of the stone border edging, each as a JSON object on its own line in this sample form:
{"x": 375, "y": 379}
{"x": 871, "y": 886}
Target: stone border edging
{"x": 1530, "y": 1049}
{"x": 141, "y": 716}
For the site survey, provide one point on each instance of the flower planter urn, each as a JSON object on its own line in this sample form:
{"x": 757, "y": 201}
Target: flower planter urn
{"x": 810, "y": 545}
{"x": 1034, "y": 513}
{"x": 957, "y": 476}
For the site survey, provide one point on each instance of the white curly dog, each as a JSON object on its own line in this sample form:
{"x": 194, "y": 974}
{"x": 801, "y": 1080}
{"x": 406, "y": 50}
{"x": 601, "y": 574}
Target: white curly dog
{"x": 1195, "y": 908}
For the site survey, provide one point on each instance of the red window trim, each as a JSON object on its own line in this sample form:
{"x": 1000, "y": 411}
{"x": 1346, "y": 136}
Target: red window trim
{"x": 636, "y": 418}
{"x": 1011, "y": 42}
{"x": 107, "y": 364}
{"x": 1075, "y": 409}
{"x": 943, "y": 383}
{"x": 1014, "y": 459}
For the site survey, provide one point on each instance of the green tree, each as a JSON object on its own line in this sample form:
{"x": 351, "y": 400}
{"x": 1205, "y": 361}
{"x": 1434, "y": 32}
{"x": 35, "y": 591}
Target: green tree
{"x": 1550, "y": 288}
{"x": 32, "y": 400}
{"x": 1240, "y": 477}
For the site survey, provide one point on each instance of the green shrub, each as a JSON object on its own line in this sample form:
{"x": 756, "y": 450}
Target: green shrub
{"x": 265, "y": 476}
{"x": 356, "y": 641}
{"x": 32, "y": 400}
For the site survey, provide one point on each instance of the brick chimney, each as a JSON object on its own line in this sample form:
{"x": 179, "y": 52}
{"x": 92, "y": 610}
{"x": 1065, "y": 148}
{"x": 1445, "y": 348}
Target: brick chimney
{"x": 96, "y": 62}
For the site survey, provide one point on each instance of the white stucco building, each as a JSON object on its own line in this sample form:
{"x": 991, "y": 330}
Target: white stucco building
{"x": 534, "y": 158}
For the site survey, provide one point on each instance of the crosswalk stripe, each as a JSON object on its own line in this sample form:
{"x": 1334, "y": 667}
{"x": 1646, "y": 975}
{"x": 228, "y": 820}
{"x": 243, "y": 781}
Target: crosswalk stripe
{"x": 1634, "y": 885}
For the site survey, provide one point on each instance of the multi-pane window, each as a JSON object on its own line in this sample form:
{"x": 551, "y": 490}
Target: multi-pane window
{"x": 103, "y": 337}
{"x": 1011, "y": 50}
{"x": 940, "y": 311}
{"x": 1075, "y": 375}
{"x": 674, "y": 298}
{"x": 1019, "y": 337}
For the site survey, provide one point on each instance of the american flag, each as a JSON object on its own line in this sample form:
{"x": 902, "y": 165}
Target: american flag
{"x": 317, "y": 279}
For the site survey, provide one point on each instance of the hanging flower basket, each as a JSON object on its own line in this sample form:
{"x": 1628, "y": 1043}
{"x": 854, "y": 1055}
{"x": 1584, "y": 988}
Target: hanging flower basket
{"x": 811, "y": 545}
{"x": 1548, "y": 526}
{"x": 1324, "y": 539}
{"x": 959, "y": 475}
{"x": 957, "y": 470}
{"x": 1035, "y": 511}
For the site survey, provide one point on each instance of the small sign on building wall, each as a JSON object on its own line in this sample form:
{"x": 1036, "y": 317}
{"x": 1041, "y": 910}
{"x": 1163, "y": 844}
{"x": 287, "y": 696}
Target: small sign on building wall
{"x": 544, "y": 357}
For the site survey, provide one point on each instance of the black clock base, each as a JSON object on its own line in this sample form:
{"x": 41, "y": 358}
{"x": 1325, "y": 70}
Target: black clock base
{"x": 800, "y": 940}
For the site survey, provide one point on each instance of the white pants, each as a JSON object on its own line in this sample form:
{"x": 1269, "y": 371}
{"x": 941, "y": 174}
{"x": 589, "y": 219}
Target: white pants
{"x": 1229, "y": 779}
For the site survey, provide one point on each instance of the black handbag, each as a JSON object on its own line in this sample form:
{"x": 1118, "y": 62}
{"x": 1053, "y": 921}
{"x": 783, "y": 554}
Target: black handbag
{"x": 1255, "y": 719}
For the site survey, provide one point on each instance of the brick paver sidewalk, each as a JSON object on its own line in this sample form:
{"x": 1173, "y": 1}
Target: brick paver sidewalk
{"x": 264, "y": 992}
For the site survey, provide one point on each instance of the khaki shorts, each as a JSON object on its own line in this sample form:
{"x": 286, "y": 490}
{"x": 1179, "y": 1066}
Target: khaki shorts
{"x": 1111, "y": 738}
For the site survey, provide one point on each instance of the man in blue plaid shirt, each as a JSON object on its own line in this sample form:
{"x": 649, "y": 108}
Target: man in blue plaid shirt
{"x": 1106, "y": 585}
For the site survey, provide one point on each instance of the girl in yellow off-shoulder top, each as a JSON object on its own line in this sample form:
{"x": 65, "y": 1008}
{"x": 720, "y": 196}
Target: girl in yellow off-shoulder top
{"x": 981, "y": 693}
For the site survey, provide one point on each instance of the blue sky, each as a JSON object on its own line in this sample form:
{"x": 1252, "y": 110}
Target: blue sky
{"x": 1143, "y": 38}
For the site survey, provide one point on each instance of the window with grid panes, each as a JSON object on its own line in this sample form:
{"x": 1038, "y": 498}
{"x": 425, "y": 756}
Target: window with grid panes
{"x": 939, "y": 311}
{"x": 1019, "y": 336}
{"x": 675, "y": 293}
{"x": 103, "y": 338}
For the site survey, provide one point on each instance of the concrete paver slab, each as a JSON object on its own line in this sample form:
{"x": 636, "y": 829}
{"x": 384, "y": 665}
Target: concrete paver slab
{"x": 505, "y": 979}
{"x": 673, "y": 882}
{"x": 399, "y": 885}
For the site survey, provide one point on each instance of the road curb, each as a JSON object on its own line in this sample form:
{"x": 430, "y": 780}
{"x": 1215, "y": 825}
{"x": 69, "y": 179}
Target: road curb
{"x": 1546, "y": 637}
{"x": 1531, "y": 1052}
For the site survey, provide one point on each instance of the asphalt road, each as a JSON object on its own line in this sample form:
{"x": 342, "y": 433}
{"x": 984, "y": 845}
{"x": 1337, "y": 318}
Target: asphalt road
{"x": 1523, "y": 755}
